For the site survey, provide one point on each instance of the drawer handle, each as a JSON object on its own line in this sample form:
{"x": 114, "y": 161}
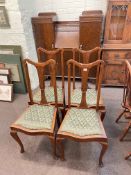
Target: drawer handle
{"x": 117, "y": 56}
{"x": 81, "y": 46}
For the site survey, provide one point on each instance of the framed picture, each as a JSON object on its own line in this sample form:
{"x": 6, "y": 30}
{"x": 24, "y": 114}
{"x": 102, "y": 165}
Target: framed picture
{"x": 4, "y": 71}
{"x": 2, "y": 65}
{"x": 4, "y": 22}
{"x": 19, "y": 85}
{"x": 10, "y": 49}
{"x": 4, "y": 79}
{"x": 6, "y": 92}
{"x": 14, "y": 71}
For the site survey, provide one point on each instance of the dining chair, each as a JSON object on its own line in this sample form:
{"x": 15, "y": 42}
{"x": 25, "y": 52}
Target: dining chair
{"x": 57, "y": 55}
{"x": 40, "y": 117}
{"x": 83, "y": 123}
{"x": 126, "y": 102}
{"x": 127, "y": 157}
{"x": 91, "y": 92}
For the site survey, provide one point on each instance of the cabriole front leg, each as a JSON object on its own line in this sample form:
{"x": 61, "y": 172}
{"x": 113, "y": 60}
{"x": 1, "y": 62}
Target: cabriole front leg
{"x": 17, "y": 139}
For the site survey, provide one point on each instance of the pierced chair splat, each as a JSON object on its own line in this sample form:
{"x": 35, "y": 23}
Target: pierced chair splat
{"x": 92, "y": 92}
{"x": 39, "y": 118}
{"x": 57, "y": 55}
{"x": 83, "y": 123}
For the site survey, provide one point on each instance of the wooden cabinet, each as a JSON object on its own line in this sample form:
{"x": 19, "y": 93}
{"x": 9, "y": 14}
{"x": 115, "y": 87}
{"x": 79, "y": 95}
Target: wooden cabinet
{"x": 115, "y": 66}
{"x": 114, "y": 72}
{"x": 44, "y": 30}
{"x": 117, "y": 41}
{"x": 84, "y": 34}
{"x": 90, "y": 33}
{"x": 90, "y": 29}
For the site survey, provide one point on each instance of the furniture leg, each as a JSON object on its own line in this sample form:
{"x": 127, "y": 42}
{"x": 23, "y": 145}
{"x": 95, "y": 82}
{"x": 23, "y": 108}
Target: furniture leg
{"x": 61, "y": 147}
{"x": 118, "y": 118}
{"x": 103, "y": 113}
{"x": 53, "y": 143}
{"x": 125, "y": 131}
{"x": 127, "y": 157}
{"x": 104, "y": 148}
{"x": 58, "y": 119}
{"x": 17, "y": 139}
{"x": 63, "y": 113}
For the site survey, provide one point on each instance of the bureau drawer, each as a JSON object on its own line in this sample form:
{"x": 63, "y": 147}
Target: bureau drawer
{"x": 114, "y": 72}
{"x": 116, "y": 54}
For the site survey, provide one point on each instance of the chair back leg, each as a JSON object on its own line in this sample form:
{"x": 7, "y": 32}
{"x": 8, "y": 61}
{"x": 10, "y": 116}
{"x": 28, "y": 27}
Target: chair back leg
{"x": 125, "y": 131}
{"x": 104, "y": 148}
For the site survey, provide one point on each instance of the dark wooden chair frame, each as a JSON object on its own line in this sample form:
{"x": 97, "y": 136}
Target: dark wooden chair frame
{"x": 52, "y": 54}
{"x": 102, "y": 139}
{"x": 126, "y": 104}
{"x": 40, "y": 67}
{"x": 85, "y": 58}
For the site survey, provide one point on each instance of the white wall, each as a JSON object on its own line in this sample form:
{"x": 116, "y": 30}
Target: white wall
{"x": 15, "y": 34}
{"x": 21, "y": 11}
{"x": 20, "y": 31}
{"x": 27, "y": 10}
{"x": 69, "y": 9}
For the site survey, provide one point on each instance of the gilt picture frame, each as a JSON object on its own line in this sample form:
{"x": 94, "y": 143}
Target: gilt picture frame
{"x": 6, "y": 92}
{"x": 4, "y": 21}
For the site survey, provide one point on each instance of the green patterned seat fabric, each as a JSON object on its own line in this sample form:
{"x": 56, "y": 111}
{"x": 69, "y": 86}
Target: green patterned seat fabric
{"x": 49, "y": 93}
{"x": 81, "y": 122}
{"x": 37, "y": 117}
{"x": 91, "y": 96}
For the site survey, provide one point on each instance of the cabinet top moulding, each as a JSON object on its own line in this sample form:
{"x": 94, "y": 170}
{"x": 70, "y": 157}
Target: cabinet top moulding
{"x": 48, "y": 17}
{"x": 47, "y": 14}
{"x": 119, "y": 0}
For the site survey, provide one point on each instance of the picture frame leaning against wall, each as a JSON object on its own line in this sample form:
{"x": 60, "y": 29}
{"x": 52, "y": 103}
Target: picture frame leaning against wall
{"x": 4, "y": 20}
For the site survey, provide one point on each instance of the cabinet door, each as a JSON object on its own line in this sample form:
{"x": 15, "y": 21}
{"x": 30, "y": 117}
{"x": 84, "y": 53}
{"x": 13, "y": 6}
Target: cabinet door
{"x": 114, "y": 72}
{"x": 127, "y": 29}
{"x": 116, "y": 22}
{"x": 44, "y": 32}
{"x": 90, "y": 33}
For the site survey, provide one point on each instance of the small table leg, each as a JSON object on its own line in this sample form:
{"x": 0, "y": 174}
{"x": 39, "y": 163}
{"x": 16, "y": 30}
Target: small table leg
{"x": 127, "y": 157}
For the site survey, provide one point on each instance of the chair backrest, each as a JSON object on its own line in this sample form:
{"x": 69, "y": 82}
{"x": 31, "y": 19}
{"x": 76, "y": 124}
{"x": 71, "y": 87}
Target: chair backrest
{"x": 86, "y": 54}
{"x": 85, "y": 69}
{"x": 85, "y": 57}
{"x": 127, "y": 86}
{"x": 53, "y": 54}
{"x": 40, "y": 68}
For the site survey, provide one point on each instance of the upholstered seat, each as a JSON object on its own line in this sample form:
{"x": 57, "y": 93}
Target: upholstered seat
{"x": 37, "y": 117}
{"x": 91, "y": 97}
{"x": 49, "y": 93}
{"x": 81, "y": 122}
